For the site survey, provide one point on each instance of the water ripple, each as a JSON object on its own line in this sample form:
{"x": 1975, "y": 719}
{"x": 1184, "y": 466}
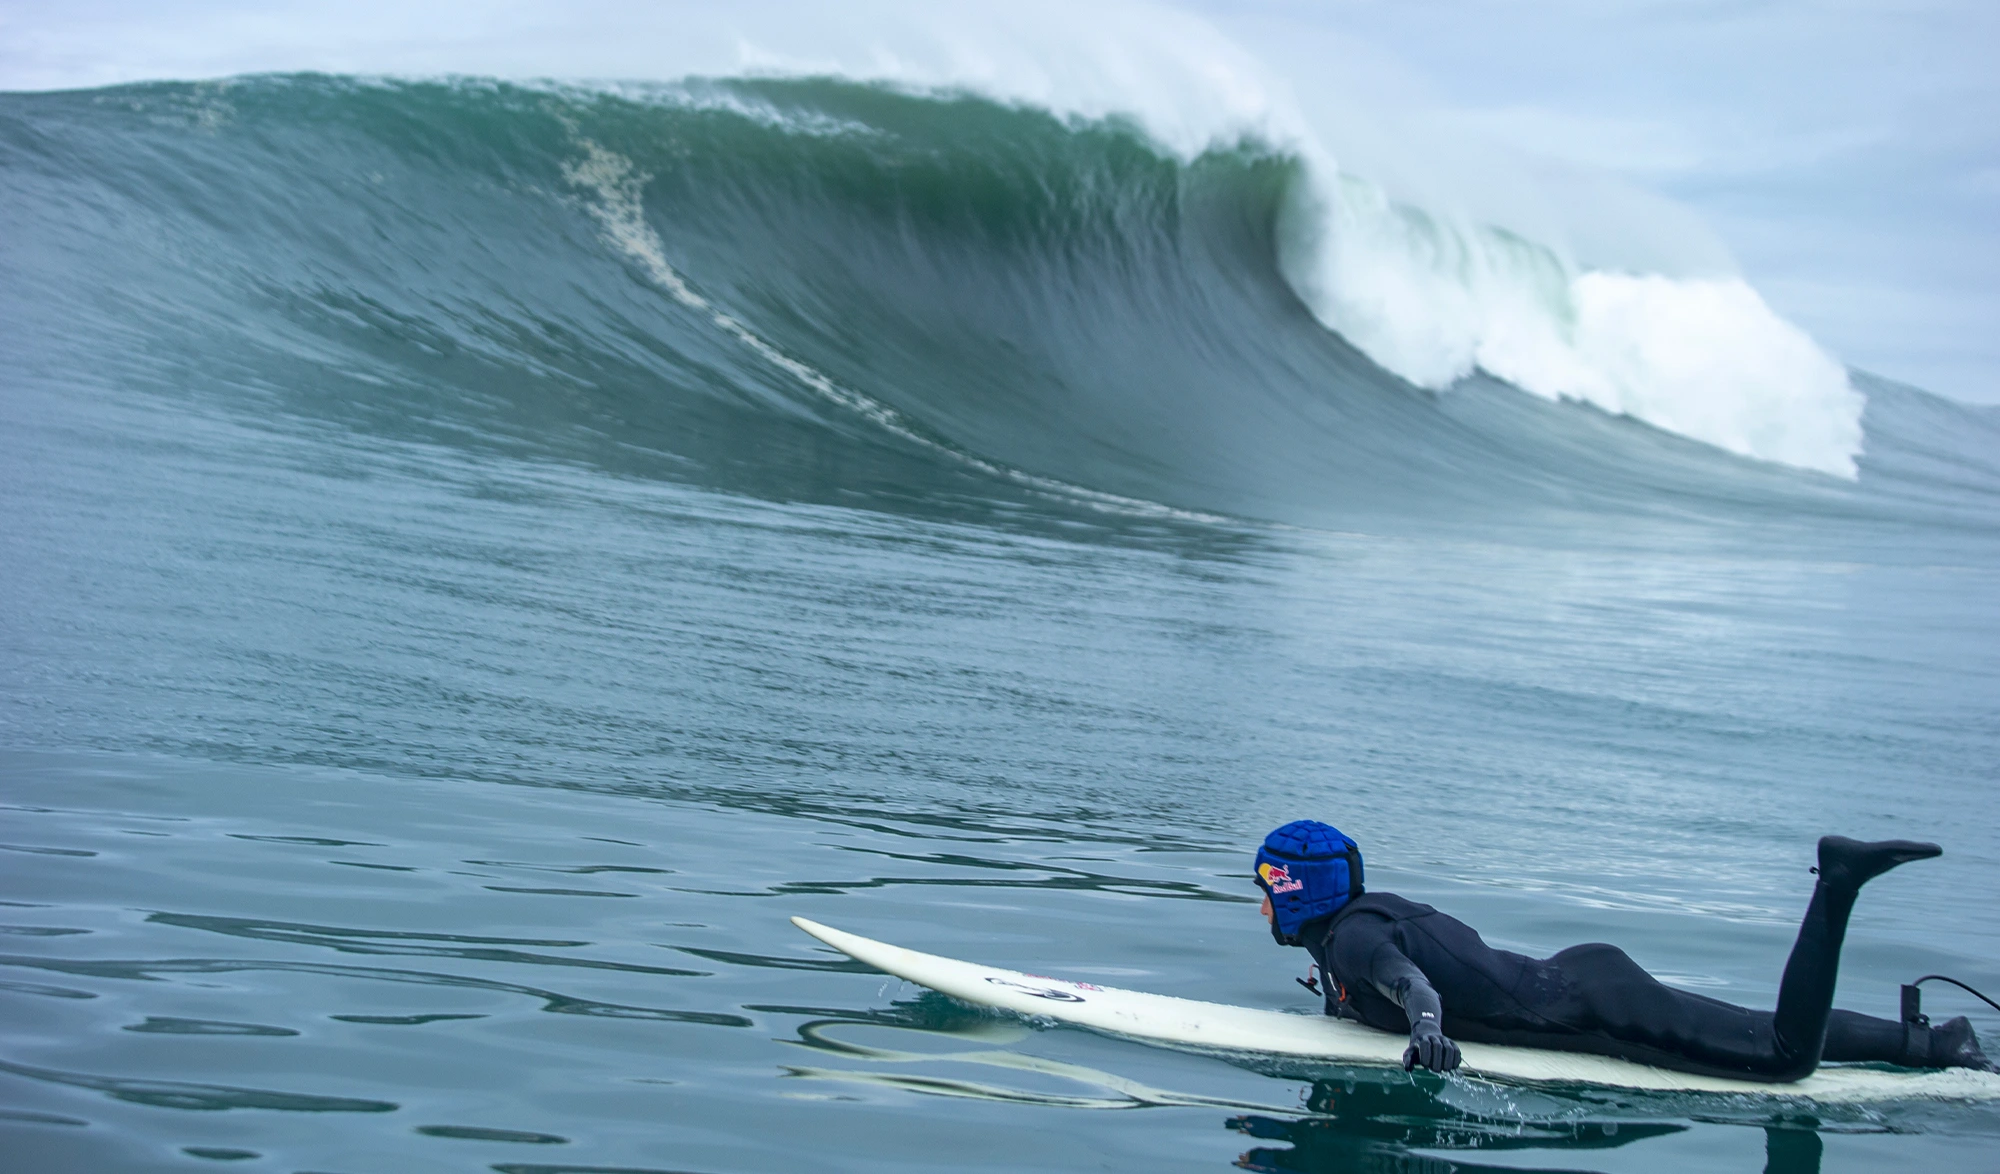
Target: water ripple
{"x": 560, "y": 1004}
{"x": 367, "y": 941}
{"x": 176, "y": 1094}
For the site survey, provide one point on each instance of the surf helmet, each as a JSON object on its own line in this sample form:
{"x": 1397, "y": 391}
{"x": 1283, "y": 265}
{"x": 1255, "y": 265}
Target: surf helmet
{"x": 1309, "y": 869}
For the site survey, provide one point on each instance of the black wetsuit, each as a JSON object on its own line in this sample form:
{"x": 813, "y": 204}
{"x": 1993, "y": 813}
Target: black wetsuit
{"x": 1388, "y": 960}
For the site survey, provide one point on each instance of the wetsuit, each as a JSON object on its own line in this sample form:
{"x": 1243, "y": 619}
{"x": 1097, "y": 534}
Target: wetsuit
{"x": 1388, "y": 961}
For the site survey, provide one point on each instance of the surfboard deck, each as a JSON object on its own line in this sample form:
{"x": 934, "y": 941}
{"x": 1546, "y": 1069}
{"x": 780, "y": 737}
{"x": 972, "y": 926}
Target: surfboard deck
{"x": 1188, "y": 1023}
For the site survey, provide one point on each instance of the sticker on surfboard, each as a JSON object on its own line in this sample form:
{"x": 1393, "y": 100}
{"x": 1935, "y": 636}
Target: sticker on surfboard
{"x": 1039, "y": 992}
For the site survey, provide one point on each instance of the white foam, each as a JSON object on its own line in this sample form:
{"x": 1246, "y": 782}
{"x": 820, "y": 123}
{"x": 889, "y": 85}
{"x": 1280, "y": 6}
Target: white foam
{"x": 1705, "y": 357}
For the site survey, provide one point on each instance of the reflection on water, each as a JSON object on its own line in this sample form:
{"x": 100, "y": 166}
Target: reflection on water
{"x": 1360, "y": 1126}
{"x": 1327, "y": 1147}
{"x": 1108, "y": 1091}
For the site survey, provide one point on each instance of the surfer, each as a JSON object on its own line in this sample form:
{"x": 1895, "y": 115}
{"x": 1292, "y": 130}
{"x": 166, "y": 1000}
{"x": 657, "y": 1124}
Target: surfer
{"x": 1400, "y": 966}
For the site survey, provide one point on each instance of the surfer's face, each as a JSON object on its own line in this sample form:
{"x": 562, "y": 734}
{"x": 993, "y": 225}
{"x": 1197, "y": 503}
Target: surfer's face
{"x": 1265, "y": 908}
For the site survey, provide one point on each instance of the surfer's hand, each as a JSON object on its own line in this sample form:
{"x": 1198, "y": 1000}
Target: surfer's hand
{"x": 1431, "y": 1048}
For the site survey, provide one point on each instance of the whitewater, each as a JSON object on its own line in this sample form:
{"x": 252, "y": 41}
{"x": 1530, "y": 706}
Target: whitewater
{"x": 496, "y": 521}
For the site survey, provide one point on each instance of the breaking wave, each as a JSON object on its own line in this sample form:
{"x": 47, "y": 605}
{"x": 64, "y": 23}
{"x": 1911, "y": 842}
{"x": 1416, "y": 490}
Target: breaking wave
{"x": 823, "y": 288}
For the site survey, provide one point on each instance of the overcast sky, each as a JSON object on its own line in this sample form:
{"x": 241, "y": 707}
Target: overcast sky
{"x": 1846, "y": 151}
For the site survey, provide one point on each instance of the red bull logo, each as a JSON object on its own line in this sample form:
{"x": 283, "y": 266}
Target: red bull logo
{"x": 1278, "y": 880}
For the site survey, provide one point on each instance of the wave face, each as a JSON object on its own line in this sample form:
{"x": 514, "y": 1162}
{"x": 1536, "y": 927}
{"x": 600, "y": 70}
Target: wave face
{"x": 816, "y": 288}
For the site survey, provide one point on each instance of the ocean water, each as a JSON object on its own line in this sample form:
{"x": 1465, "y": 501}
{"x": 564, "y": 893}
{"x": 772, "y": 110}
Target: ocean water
{"x": 479, "y": 557}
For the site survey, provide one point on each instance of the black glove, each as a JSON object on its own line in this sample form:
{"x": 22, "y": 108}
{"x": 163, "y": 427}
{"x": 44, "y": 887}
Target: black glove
{"x": 1430, "y": 1047}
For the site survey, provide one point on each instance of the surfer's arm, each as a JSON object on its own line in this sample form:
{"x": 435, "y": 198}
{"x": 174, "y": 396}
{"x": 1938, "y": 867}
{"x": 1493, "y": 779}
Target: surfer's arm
{"x": 1367, "y": 947}
{"x": 1402, "y": 982}
{"x": 1398, "y": 978}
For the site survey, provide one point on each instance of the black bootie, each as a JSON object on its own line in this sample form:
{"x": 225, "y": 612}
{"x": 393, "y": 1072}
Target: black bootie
{"x": 1955, "y": 1045}
{"x": 1848, "y": 864}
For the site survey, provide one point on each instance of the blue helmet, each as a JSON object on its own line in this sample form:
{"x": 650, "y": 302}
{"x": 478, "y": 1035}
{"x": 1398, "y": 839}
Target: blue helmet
{"x": 1308, "y": 869}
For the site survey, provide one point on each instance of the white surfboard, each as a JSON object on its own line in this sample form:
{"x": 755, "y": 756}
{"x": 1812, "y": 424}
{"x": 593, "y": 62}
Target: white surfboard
{"x": 1186, "y": 1023}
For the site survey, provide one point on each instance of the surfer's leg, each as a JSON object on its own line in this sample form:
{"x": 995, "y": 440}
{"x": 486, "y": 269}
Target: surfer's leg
{"x": 1805, "y": 995}
{"x": 1611, "y": 996}
{"x": 1597, "y": 999}
{"x": 1612, "y": 1000}
{"x": 1856, "y": 1038}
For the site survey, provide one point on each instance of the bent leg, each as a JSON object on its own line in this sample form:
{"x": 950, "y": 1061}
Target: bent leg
{"x": 1594, "y": 998}
{"x": 1612, "y": 996}
{"x": 1805, "y": 995}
